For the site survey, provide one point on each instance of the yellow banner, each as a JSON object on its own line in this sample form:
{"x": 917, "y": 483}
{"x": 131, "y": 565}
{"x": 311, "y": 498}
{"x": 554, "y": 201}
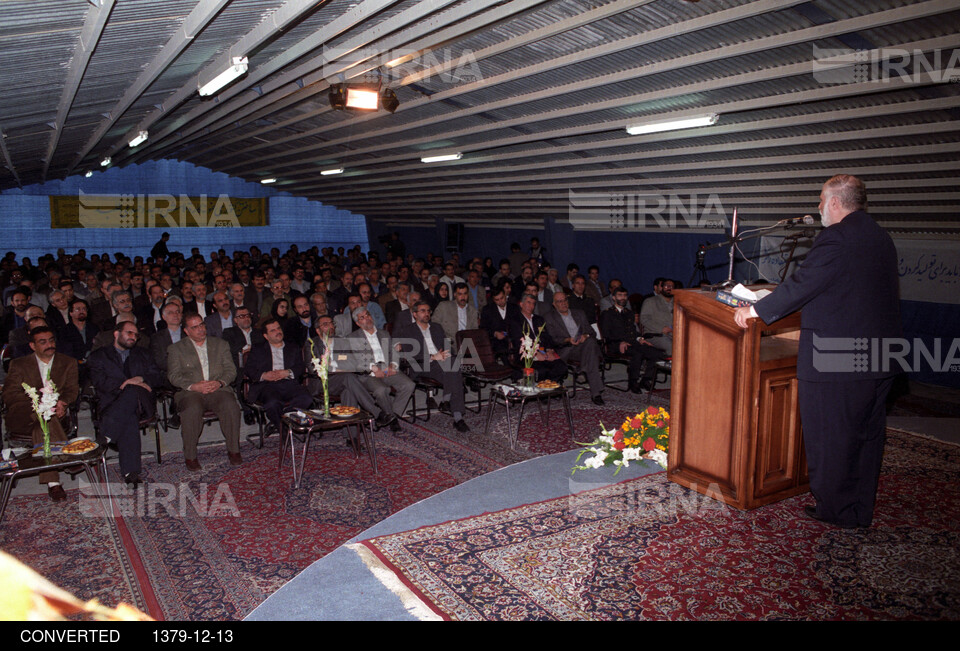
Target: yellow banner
{"x": 156, "y": 211}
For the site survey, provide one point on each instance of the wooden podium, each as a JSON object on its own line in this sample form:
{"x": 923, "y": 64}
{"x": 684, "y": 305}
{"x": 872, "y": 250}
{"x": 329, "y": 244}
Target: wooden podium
{"x": 735, "y": 428}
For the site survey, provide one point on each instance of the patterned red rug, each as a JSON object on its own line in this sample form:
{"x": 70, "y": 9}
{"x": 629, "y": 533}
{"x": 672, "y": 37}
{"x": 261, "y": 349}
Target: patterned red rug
{"x": 648, "y": 549}
{"x": 215, "y": 544}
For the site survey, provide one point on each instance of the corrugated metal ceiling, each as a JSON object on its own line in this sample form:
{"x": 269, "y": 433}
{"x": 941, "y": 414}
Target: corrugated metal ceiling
{"x": 535, "y": 94}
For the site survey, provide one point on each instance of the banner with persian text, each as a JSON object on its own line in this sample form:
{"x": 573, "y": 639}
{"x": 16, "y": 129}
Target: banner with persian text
{"x": 929, "y": 269}
{"x": 156, "y": 211}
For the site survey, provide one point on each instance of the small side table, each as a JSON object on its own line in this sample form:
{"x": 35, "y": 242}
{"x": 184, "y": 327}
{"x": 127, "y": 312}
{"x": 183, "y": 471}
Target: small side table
{"x": 94, "y": 464}
{"x": 293, "y": 431}
{"x": 539, "y": 396}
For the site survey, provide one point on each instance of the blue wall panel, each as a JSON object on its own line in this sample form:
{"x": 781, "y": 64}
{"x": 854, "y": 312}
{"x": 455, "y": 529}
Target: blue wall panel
{"x": 25, "y": 214}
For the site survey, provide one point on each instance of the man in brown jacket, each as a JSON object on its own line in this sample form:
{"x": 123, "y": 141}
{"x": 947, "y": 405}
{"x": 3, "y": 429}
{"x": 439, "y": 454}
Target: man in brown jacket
{"x": 34, "y": 370}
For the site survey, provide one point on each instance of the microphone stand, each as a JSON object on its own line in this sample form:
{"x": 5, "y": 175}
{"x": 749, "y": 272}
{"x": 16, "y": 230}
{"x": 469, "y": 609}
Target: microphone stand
{"x": 735, "y": 239}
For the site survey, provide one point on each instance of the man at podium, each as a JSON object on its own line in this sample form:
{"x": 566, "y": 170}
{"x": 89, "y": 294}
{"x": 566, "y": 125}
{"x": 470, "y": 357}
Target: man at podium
{"x": 848, "y": 290}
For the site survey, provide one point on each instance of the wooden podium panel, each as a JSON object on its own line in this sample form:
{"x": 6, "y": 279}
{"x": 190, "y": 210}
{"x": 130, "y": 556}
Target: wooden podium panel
{"x": 735, "y": 428}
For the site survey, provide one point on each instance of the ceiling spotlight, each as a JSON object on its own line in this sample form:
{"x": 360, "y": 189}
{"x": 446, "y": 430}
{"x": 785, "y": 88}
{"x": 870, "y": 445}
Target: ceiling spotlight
{"x": 388, "y": 100}
{"x": 339, "y": 170}
{"x": 671, "y": 125}
{"x": 89, "y": 173}
{"x": 268, "y": 181}
{"x": 441, "y": 158}
{"x": 140, "y": 139}
{"x": 363, "y": 98}
{"x": 105, "y": 161}
{"x": 238, "y": 66}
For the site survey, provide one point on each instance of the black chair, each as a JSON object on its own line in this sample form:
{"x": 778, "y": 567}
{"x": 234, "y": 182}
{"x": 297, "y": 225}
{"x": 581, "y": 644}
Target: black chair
{"x": 487, "y": 369}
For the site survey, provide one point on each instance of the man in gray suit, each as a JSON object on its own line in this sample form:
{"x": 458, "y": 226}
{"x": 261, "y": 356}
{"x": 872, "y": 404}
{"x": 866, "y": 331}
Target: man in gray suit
{"x": 377, "y": 359}
{"x": 575, "y": 341}
{"x": 201, "y": 368}
{"x": 222, "y": 318}
{"x": 458, "y": 314}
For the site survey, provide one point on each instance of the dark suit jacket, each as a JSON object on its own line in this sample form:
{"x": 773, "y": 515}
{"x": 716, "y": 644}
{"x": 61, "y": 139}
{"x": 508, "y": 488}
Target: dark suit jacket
{"x": 295, "y": 332}
{"x": 234, "y": 337}
{"x": 214, "y": 327}
{"x": 191, "y": 308}
{"x": 516, "y": 328}
{"x": 848, "y": 287}
{"x": 159, "y": 343}
{"x": 55, "y": 319}
{"x": 491, "y": 321}
{"x": 101, "y": 314}
{"x": 558, "y": 329}
{"x": 414, "y": 345}
{"x": 616, "y": 327}
{"x": 260, "y": 361}
{"x": 107, "y": 373}
{"x": 21, "y": 419}
{"x": 69, "y": 341}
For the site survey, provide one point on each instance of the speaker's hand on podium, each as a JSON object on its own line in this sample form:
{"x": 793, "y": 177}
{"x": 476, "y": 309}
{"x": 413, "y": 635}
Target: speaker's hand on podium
{"x": 741, "y": 314}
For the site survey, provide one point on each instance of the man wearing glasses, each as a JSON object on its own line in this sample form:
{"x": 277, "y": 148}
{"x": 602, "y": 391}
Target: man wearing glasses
{"x": 201, "y": 368}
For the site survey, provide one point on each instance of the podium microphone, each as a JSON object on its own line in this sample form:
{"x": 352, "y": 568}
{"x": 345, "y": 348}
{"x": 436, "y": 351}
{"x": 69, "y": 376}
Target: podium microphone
{"x": 807, "y": 220}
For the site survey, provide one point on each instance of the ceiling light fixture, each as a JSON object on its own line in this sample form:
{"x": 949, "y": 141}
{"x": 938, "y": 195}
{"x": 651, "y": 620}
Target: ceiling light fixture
{"x": 238, "y": 66}
{"x": 339, "y": 170}
{"x": 671, "y": 125}
{"x": 140, "y": 139}
{"x": 268, "y": 181}
{"x": 361, "y": 98}
{"x": 105, "y": 161}
{"x": 441, "y": 158}
{"x": 89, "y": 173}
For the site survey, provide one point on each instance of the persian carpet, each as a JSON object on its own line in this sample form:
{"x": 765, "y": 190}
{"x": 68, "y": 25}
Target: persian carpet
{"x": 648, "y": 549}
{"x": 90, "y": 557}
{"x": 215, "y": 544}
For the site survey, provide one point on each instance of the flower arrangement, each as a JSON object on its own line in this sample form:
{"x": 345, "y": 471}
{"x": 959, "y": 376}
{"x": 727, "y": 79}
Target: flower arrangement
{"x": 322, "y": 367}
{"x": 45, "y": 406}
{"x": 646, "y": 435}
{"x": 529, "y": 347}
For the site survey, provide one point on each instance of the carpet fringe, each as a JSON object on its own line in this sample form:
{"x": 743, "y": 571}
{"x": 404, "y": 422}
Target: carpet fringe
{"x": 413, "y": 604}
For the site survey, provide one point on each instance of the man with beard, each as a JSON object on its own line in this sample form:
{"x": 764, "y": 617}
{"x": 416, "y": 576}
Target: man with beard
{"x": 458, "y": 314}
{"x": 77, "y": 337}
{"x": 618, "y": 326}
{"x": 297, "y": 329}
{"x": 124, "y": 376}
{"x": 656, "y": 316}
{"x": 848, "y": 290}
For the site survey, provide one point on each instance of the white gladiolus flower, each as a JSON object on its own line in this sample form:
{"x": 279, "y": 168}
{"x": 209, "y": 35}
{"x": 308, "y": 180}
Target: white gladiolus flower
{"x": 659, "y": 456}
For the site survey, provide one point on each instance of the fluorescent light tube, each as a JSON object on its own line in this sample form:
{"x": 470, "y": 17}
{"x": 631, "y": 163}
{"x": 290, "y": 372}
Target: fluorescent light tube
{"x": 671, "y": 125}
{"x": 441, "y": 158}
{"x": 238, "y": 67}
{"x": 140, "y": 139}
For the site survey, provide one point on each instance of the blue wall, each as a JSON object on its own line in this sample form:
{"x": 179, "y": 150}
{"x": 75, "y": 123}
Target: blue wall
{"x": 25, "y": 215}
{"x": 634, "y": 257}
